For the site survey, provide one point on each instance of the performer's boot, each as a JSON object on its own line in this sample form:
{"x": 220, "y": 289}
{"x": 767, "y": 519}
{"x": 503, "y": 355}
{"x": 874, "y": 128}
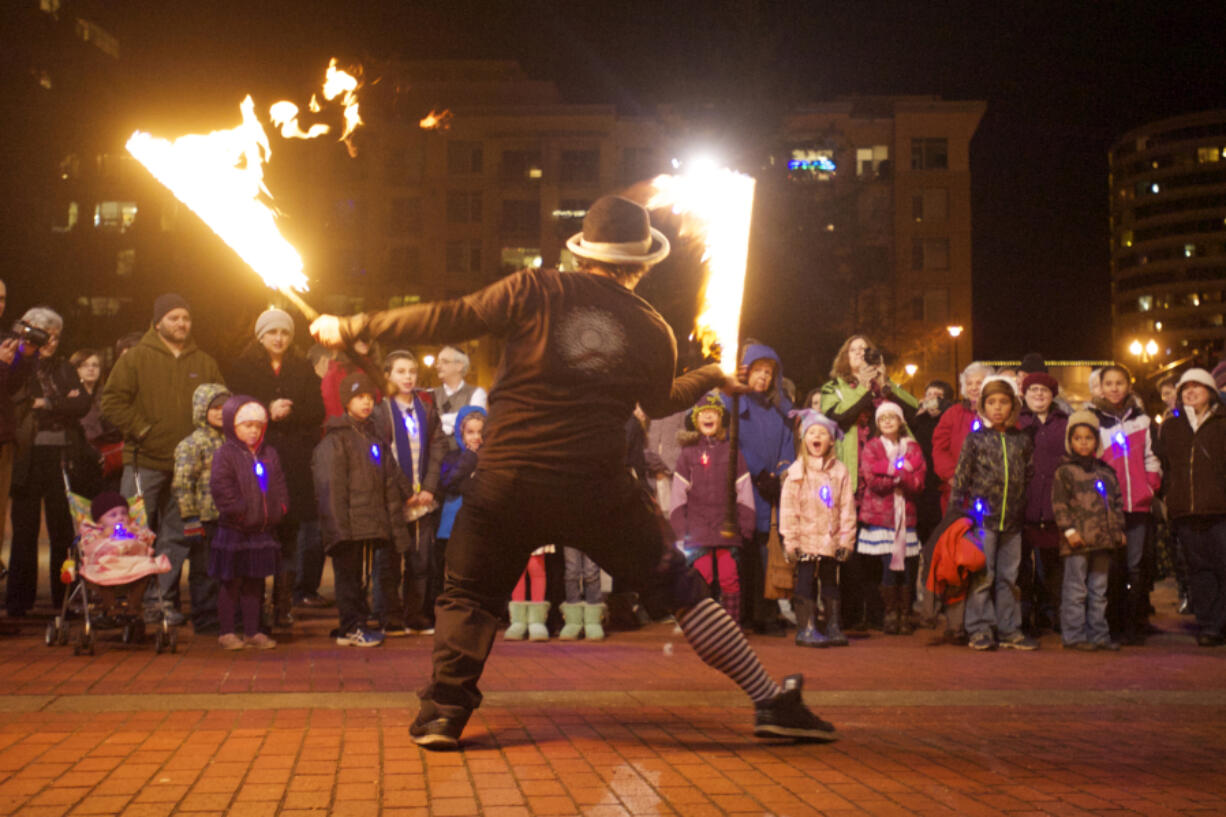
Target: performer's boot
{"x": 834, "y": 629}
{"x": 518, "y": 631}
{"x": 905, "y": 625}
{"x": 538, "y": 611}
{"x": 593, "y": 616}
{"x": 572, "y": 621}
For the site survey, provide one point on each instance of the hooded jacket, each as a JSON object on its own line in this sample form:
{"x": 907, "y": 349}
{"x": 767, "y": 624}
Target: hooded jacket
{"x": 1195, "y": 461}
{"x": 248, "y": 486}
{"x": 699, "y": 497}
{"x": 765, "y": 434}
{"x": 1127, "y": 445}
{"x": 994, "y": 468}
{"x": 148, "y": 397}
{"x": 295, "y": 435}
{"x": 456, "y": 467}
{"x": 358, "y": 485}
{"x": 817, "y": 510}
{"x": 1050, "y": 443}
{"x": 1085, "y": 497}
{"x": 194, "y": 458}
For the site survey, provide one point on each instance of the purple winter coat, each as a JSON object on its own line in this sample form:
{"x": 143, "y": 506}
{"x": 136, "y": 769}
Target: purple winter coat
{"x": 700, "y": 493}
{"x": 246, "y": 503}
{"x": 1049, "y": 452}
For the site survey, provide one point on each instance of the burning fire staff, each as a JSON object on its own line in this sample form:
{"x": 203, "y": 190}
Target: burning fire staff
{"x": 580, "y": 350}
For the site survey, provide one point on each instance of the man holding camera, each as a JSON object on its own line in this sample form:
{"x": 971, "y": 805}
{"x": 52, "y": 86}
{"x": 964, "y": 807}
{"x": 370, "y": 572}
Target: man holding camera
{"x": 149, "y": 397}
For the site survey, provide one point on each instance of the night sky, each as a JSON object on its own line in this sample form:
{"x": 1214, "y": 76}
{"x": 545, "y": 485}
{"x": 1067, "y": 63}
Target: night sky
{"x": 1062, "y": 81}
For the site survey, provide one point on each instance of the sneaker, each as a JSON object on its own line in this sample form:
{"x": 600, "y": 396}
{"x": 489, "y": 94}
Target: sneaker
{"x": 1210, "y": 640}
{"x": 173, "y": 617}
{"x": 1108, "y": 645}
{"x": 260, "y": 641}
{"x": 981, "y": 641}
{"x": 312, "y": 600}
{"x": 786, "y": 716}
{"x": 1018, "y": 641}
{"x": 419, "y": 626}
{"x": 396, "y": 630}
{"x": 230, "y": 641}
{"x": 360, "y": 638}
{"x": 1080, "y": 646}
{"x": 434, "y": 730}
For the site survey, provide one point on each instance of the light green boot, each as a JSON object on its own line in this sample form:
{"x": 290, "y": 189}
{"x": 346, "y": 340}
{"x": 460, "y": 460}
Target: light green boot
{"x": 572, "y": 617}
{"x": 593, "y": 614}
{"x": 518, "y": 630}
{"x": 538, "y": 611}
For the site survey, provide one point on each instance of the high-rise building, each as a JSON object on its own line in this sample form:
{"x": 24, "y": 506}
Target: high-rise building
{"x": 1168, "y": 240}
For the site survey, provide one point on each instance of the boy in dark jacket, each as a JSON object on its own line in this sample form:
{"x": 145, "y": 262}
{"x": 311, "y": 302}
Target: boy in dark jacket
{"x": 1088, "y": 508}
{"x": 990, "y": 486}
{"x": 413, "y": 433}
{"x": 360, "y": 503}
{"x": 1193, "y": 445}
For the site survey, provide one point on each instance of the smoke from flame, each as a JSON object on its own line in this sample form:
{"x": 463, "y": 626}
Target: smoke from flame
{"x": 715, "y": 206}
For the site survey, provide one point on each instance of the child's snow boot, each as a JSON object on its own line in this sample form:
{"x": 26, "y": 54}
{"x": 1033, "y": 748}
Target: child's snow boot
{"x": 518, "y": 630}
{"x": 538, "y": 611}
{"x": 593, "y": 615}
{"x": 572, "y": 618}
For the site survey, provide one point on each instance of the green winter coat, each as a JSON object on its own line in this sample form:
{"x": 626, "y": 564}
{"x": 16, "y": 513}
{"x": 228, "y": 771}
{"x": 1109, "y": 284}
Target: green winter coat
{"x": 148, "y": 397}
{"x": 194, "y": 458}
{"x": 845, "y": 403}
{"x": 1085, "y": 496}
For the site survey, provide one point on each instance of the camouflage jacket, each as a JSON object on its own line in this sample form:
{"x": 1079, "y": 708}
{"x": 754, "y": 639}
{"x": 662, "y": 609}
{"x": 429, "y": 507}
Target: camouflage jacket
{"x": 194, "y": 458}
{"x": 1085, "y": 496}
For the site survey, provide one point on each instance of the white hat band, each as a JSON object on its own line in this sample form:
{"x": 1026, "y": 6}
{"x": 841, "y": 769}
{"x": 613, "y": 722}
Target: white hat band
{"x": 618, "y": 248}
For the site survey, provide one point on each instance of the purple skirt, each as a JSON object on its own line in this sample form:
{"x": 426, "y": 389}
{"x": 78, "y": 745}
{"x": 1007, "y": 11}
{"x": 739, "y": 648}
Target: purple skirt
{"x": 234, "y": 554}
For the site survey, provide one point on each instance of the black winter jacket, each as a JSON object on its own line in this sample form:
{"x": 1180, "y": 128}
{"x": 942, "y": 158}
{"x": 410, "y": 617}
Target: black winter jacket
{"x": 55, "y": 380}
{"x": 1194, "y": 462}
{"x": 995, "y": 467}
{"x": 359, "y": 486}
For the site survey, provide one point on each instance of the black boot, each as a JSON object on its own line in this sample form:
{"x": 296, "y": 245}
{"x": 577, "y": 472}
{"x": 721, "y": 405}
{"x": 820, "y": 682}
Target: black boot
{"x": 905, "y": 625}
{"x": 889, "y": 600}
{"x": 834, "y": 630}
{"x": 806, "y": 633}
{"x": 283, "y": 600}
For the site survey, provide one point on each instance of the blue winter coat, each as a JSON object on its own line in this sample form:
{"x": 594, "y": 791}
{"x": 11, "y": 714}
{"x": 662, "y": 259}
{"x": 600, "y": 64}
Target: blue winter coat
{"x": 765, "y": 433}
{"x": 457, "y": 467}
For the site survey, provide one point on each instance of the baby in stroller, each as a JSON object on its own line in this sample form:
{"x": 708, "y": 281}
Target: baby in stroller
{"x": 117, "y": 552}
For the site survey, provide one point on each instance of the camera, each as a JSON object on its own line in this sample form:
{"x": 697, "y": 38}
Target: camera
{"x": 28, "y": 334}
{"x": 872, "y": 357}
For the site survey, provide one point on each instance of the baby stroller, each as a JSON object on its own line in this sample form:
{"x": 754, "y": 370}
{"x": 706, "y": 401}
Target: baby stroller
{"x": 83, "y": 591}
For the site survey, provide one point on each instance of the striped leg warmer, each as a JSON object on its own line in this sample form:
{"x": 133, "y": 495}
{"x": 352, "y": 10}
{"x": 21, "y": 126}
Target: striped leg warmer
{"x": 720, "y": 644}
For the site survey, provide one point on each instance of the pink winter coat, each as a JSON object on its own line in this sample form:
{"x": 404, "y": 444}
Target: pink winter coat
{"x": 1128, "y": 448}
{"x": 813, "y": 521}
{"x": 880, "y": 477}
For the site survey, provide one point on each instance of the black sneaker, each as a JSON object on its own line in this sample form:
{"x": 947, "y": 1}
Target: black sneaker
{"x": 786, "y": 716}
{"x": 434, "y": 730}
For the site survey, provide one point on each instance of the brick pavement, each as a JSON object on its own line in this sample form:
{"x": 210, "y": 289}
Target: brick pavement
{"x": 624, "y": 727}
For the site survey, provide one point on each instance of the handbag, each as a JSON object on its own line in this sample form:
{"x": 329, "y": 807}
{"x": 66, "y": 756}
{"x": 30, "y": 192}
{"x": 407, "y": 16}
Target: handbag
{"x": 780, "y": 577}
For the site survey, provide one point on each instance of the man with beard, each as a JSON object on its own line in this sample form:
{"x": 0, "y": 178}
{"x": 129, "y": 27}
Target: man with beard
{"x": 580, "y": 350}
{"x": 149, "y": 397}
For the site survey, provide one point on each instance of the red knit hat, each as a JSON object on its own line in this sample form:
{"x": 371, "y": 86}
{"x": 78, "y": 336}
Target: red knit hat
{"x": 1041, "y": 379}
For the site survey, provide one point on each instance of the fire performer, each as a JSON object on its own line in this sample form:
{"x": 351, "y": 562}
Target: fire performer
{"x": 581, "y": 349}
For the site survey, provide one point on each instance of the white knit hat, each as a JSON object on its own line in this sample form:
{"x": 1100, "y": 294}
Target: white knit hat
{"x": 889, "y": 407}
{"x": 1196, "y": 376}
{"x": 248, "y": 412}
{"x": 273, "y": 319}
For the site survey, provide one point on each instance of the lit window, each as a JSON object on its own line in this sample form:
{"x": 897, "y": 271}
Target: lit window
{"x": 1189, "y": 250}
{"x": 1194, "y": 298}
{"x": 1153, "y": 188}
{"x": 1210, "y": 154}
{"x": 114, "y": 215}
{"x": 1145, "y": 303}
{"x": 51, "y": 7}
{"x": 1158, "y": 326}
{"x": 870, "y": 159}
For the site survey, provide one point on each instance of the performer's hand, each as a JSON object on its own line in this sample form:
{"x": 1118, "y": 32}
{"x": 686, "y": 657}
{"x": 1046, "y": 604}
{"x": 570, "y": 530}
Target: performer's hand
{"x": 735, "y": 383}
{"x": 326, "y": 329}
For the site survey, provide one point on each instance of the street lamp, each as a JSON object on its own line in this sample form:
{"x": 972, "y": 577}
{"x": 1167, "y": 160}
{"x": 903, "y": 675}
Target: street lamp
{"x": 954, "y": 332}
{"x": 1144, "y": 351}
{"x": 910, "y": 369}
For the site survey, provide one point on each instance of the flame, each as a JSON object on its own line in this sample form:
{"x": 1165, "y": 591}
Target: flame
{"x": 285, "y": 115}
{"x": 436, "y": 120}
{"x": 220, "y": 176}
{"x": 715, "y": 206}
{"x": 336, "y": 83}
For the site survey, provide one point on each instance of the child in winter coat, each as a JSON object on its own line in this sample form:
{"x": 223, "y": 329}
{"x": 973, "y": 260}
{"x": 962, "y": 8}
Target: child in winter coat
{"x": 1128, "y": 448}
{"x": 249, "y": 490}
{"x": 190, "y": 484}
{"x": 413, "y": 434}
{"x": 700, "y": 500}
{"x": 1193, "y": 442}
{"x": 360, "y": 493}
{"x": 817, "y": 520}
{"x": 994, "y": 468}
{"x": 116, "y": 551}
{"x": 1085, "y": 498}
{"x": 892, "y": 472}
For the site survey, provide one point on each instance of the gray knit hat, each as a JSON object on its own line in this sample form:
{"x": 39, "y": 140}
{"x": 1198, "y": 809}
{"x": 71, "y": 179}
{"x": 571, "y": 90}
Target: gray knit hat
{"x": 271, "y": 319}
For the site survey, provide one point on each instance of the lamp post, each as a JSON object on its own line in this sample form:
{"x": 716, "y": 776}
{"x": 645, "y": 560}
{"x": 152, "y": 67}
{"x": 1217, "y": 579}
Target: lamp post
{"x": 954, "y": 332}
{"x": 1145, "y": 352}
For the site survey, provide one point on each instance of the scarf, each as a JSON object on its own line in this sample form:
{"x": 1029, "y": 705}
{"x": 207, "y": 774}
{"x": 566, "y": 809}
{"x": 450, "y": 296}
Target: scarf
{"x": 898, "y": 556}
